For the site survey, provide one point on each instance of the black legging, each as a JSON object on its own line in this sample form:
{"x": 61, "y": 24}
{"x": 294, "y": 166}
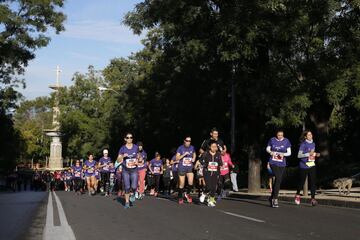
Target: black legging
{"x": 166, "y": 184}
{"x": 311, "y": 172}
{"x": 224, "y": 182}
{"x": 105, "y": 180}
{"x": 211, "y": 183}
{"x": 278, "y": 172}
{"x": 174, "y": 182}
{"x": 157, "y": 182}
{"x": 77, "y": 184}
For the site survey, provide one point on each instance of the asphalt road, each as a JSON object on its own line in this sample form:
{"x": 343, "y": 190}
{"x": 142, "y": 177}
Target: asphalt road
{"x": 98, "y": 217}
{"x": 21, "y": 215}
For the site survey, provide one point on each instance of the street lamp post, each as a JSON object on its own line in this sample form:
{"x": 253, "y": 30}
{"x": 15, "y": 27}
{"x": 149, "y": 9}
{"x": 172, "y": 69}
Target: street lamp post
{"x": 102, "y": 89}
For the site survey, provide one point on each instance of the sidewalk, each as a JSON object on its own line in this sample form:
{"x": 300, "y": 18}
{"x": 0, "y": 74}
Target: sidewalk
{"x": 328, "y": 197}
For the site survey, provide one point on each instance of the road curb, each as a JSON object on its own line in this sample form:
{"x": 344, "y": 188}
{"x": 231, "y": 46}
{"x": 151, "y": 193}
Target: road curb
{"x": 306, "y": 200}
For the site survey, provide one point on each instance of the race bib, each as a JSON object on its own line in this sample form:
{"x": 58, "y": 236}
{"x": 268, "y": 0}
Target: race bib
{"x": 106, "y": 168}
{"x": 77, "y": 174}
{"x": 200, "y": 171}
{"x": 90, "y": 170}
{"x": 311, "y": 158}
{"x": 213, "y": 166}
{"x": 131, "y": 162}
{"x": 157, "y": 169}
{"x": 224, "y": 167}
{"x": 310, "y": 164}
{"x": 187, "y": 161}
{"x": 277, "y": 158}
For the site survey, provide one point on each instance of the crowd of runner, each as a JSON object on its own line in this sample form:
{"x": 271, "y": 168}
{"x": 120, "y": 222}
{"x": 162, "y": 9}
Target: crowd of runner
{"x": 133, "y": 173}
{"x": 210, "y": 171}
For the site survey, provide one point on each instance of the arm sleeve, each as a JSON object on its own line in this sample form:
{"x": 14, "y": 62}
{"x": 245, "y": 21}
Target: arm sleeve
{"x": 302, "y": 155}
{"x": 268, "y": 149}
{"x": 288, "y": 152}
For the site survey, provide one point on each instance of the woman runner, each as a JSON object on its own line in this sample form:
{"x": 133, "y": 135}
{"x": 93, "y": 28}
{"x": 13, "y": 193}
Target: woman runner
{"x": 142, "y": 168}
{"x": 156, "y": 169}
{"x": 89, "y": 167}
{"x": 279, "y": 148}
{"x": 77, "y": 177}
{"x": 104, "y": 164}
{"x": 128, "y": 157}
{"x": 185, "y": 156}
{"x": 307, "y": 156}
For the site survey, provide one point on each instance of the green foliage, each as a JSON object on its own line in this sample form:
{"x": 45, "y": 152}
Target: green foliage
{"x": 23, "y": 25}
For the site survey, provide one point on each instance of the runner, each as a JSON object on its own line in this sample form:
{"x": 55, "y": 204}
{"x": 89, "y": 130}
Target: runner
{"x": 224, "y": 179}
{"x": 97, "y": 179}
{"x": 128, "y": 157}
{"x": 279, "y": 148}
{"x": 89, "y": 167}
{"x": 77, "y": 177}
{"x": 233, "y": 176}
{"x": 211, "y": 161}
{"x": 307, "y": 167}
{"x": 200, "y": 175}
{"x": 67, "y": 180}
{"x": 156, "y": 169}
{"x": 167, "y": 176}
{"x": 119, "y": 185}
{"x": 271, "y": 177}
{"x": 112, "y": 178}
{"x": 175, "y": 180}
{"x": 214, "y": 136}
{"x": 142, "y": 168}
{"x": 185, "y": 156}
{"x": 104, "y": 164}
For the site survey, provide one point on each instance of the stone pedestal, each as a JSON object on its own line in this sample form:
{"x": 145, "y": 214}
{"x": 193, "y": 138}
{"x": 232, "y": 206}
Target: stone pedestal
{"x": 55, "y": 160}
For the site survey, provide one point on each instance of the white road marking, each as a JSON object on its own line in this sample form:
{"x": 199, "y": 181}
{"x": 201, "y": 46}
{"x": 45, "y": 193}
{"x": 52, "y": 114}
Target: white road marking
{"x": 52, "y": 232}
{"x": 242, "y": 216}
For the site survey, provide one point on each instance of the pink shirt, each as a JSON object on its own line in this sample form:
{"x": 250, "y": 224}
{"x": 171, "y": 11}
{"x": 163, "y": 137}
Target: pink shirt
{"x": 226, "y": 159}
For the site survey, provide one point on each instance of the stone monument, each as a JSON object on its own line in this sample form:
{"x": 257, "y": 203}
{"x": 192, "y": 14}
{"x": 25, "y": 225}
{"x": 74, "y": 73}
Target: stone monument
{"x": 55, "y": 160}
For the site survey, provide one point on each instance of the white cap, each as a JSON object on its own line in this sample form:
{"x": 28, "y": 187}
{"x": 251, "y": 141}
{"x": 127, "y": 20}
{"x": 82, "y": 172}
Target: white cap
{"x": 105, "y": 151}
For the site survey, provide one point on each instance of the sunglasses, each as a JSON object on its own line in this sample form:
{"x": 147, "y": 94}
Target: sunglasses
{"x": 129, "y": 138}
{"x": 187, "y": 140}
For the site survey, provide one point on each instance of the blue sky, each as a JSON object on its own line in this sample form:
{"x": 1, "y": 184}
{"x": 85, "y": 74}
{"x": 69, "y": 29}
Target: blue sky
{"x": 93, "y": 36}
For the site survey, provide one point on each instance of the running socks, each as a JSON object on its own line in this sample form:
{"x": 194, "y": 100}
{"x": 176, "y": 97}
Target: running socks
{"x": 181, "y": 190}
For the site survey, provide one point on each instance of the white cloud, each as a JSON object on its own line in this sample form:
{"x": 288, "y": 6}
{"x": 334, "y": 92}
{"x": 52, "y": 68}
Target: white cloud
{"x": 102, "y": 31}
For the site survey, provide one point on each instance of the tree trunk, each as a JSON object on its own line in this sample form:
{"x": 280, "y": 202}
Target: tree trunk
{"x": 254, "y": 178}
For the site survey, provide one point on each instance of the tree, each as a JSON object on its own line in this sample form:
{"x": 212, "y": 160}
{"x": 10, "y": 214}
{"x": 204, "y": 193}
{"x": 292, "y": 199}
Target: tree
{"x": 296, "y": 64}
{"x": 23, "y": 25}
{"x": 31, "y": 118}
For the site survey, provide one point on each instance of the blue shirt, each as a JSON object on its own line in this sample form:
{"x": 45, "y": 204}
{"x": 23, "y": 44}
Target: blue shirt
{"x": 278, "y": 146}
{"x": 307, "y": 162}
{"x": 186, "y": 161}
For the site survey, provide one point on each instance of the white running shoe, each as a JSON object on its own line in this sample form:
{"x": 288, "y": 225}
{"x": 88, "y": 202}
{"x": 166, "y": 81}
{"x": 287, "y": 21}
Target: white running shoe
{"x": 136, "y": 195}
{"x": 202, "y": 197}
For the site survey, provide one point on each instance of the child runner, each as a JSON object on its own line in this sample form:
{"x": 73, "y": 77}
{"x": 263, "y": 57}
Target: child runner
{"x": 211, "y": 161}
{"x": 167, "y": 174}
